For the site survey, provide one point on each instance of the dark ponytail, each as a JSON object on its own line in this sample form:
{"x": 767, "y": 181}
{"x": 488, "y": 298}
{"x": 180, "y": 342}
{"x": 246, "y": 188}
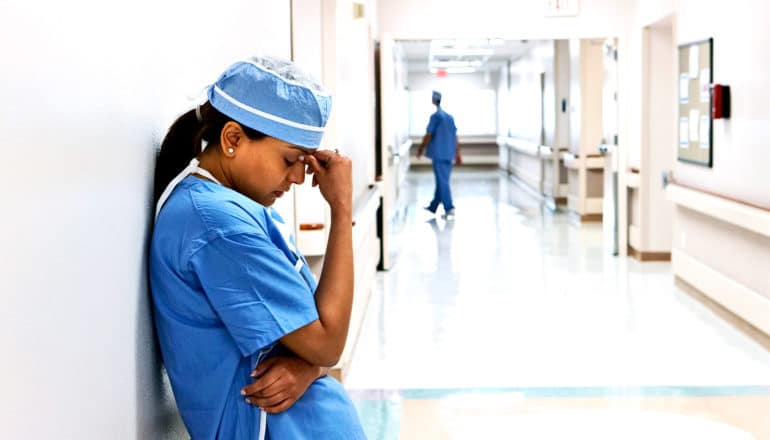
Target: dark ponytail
{"x": 184, "y": 141}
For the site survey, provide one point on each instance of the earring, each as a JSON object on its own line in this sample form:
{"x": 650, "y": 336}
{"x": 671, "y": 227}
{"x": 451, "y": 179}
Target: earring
{"x": 230, "y": 150}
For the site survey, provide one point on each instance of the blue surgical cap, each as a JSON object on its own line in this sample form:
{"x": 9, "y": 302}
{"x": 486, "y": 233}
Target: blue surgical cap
{"x": 274, "y": 97}
{"x": 436, "y": 96}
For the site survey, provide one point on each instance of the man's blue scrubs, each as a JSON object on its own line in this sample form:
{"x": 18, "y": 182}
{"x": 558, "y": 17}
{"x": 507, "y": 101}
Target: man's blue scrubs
{"x": 227, "y": 284}
{"x": 441, "y": 150}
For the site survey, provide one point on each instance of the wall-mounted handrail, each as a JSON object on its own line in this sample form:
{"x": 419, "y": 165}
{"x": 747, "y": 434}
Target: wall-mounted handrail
{"x": 403, "y": 149}
{"x": 753, "y": 218}
{"x": 522, "y": 146}
{"x": 365, "y": 209}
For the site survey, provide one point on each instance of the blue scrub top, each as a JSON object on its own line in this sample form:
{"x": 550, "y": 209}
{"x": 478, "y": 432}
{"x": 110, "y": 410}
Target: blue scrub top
{"x": 443, "y": 136}
{"x": 227, "y": 284}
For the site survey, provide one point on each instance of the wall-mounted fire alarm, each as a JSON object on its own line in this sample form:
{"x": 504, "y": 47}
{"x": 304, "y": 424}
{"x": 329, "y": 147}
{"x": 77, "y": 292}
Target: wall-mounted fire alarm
{"x": 720, "y": 101}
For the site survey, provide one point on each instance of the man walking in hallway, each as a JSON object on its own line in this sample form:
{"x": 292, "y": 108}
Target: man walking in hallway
{"x": 441, "y": 140}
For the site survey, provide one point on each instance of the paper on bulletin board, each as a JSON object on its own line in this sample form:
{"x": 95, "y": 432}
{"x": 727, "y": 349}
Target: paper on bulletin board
{"x": 704, "y": 132}
{"x": 694, "y": 62}
{"x": 704, "y": 85}
{"x": 694, "y": 119}
{"x": 684, "y": 88}
{"x": 684, "y": 143}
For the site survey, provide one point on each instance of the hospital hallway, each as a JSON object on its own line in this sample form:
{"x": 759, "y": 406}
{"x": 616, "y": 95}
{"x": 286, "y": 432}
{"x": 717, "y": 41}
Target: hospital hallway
{"x": 512, "y": 322}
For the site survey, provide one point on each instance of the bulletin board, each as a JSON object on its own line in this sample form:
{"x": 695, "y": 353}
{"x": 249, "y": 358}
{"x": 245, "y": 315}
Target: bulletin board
{"x": 695, "y": 123}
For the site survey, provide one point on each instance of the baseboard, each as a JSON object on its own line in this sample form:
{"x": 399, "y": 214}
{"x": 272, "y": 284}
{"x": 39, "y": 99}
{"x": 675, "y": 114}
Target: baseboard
{"x": 553, "y": 203}
{"x": 725, "y": 314}
{"x": 648, "y": 256}
{"x": 577, "y": 219}
{"x": 590, "y": 208}
{"x": 749, "y": 305}
{"x": 591, "y": 218}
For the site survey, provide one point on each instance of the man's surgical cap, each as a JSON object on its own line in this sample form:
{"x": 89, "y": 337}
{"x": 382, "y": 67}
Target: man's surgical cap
{"x": 274, "y": 97}
{"x": 436, "y": 95}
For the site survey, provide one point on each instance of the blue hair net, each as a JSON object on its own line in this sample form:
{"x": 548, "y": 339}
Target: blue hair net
{"x": 274, "y": 97}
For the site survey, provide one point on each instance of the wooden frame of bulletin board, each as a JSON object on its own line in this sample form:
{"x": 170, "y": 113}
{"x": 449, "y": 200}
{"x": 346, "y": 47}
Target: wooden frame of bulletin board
{"x": 696, "y": 128}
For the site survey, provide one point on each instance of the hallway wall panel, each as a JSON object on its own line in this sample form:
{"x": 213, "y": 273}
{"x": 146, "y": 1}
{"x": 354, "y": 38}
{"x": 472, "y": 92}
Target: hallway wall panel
{"x": 740, "y": 151}
{"x": 89, "y": 89}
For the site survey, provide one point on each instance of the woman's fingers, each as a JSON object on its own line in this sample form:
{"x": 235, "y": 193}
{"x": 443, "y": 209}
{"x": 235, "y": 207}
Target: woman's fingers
{"x": 263, "y": 366}
{"x": 314, "y": 166}
{"x": 267, "y": 402}
{"x": 280, "y": 407}
{"x": 331, "y": 173}
{"x": 325, "y": 155}
{"x": 260, "y": 385}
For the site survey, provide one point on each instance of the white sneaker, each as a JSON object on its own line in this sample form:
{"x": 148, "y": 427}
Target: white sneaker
{"x": 449, "y": 215}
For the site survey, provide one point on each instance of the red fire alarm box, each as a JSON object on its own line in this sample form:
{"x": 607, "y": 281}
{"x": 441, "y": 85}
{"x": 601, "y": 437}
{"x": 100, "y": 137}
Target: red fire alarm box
{"x": 720, "y": 101}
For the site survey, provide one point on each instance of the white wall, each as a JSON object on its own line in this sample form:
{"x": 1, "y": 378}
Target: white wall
{"x": 503, "y": 101}
{"x": 471, "y": 98}
{"x": 527, "y": 99}
{"x": 513, "y": 19}
{"x": 659, "y": 135}
{"x": 89, "y": 89}
{"x": 348, "y": 72}
{"x": 647, "y": 12}
{"x": 741, "y": 153}
{"x": 586, "y": 82}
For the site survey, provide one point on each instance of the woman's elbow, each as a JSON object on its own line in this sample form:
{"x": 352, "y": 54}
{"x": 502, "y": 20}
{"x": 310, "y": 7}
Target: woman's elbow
{"x": 322, "y": 351}
{"x": 329, "y": 357}
{"x": 330, "y": 362}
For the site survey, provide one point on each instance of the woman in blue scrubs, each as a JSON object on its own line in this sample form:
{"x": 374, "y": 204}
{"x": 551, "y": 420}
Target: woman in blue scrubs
{"x": 246, "y": 333}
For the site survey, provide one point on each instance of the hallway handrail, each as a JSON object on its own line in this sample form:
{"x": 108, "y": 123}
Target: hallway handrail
{"x": 550, "y": 153}
{"x": 752, "y": 218}
{"x": 522, "y": 146}
{"x": 365, "y": 207}
{"x": 405, "y": 147}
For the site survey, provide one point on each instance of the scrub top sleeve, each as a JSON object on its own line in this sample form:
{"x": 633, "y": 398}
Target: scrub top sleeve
{"x": 432, "y": 124}
{"x": 256, "y": 292}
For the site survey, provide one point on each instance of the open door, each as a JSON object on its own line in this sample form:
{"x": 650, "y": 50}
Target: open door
{"x": 393, "y": 146}
{"x": 609, "y": 145}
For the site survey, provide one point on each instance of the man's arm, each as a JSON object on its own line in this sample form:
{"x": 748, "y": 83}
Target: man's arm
{"x": 458, "y": 155}
{"x": 425, "y": 141}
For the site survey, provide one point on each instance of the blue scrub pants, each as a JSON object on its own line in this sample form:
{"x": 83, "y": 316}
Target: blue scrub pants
{"x": 442, "y": 169}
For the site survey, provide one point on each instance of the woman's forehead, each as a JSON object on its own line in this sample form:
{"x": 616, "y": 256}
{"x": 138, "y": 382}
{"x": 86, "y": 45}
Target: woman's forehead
{"x": 300, "y": 149}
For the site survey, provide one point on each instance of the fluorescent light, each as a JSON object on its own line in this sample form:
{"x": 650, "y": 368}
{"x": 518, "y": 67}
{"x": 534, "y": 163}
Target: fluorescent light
{"x": 461, "y": 70}
{"x": 459, "y": 63}
{"x": 461, "y": 51}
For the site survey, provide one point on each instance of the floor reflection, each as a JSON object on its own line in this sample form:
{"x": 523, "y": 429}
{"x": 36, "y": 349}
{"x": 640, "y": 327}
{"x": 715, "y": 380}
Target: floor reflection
{"x": 512, "y": 317}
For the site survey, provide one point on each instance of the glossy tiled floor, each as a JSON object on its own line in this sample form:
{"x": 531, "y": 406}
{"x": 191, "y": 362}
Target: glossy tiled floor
{"x": 512, "y": 322}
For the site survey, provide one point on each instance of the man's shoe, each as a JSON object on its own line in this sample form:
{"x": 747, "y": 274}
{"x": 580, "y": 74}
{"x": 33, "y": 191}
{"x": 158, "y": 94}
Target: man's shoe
{"x": 449, "y": 215}
{"x": 427, "y": 208}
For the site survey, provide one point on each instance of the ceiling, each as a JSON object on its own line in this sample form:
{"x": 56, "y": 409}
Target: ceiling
{"x": 477, "y": 54}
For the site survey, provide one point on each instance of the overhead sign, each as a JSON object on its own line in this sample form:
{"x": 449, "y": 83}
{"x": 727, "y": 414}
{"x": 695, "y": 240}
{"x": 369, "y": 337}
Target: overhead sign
{"x": 561, "y": 8}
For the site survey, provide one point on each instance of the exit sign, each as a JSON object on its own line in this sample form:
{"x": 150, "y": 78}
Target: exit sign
{"x": 561, "y": 8}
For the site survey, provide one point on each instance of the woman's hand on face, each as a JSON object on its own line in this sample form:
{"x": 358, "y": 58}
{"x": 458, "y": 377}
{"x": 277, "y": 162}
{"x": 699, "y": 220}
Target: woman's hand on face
{"x": 280, "y": 382}
{"x": 333, "y": 174}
